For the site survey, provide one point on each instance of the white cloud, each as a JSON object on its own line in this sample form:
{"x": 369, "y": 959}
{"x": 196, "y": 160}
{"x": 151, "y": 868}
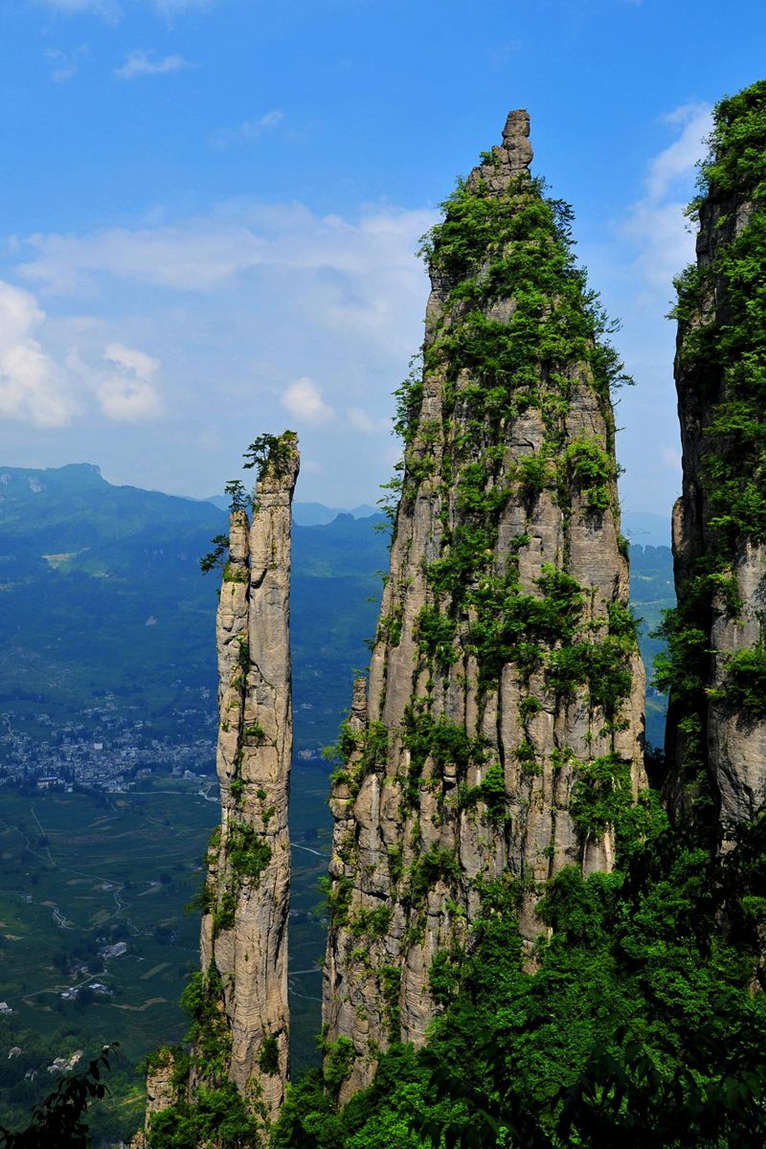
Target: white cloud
{"x": 107, "y": 9}
{"x": 680, "y": 158}
{"x": 62, "y": 74}
{"x": 127, "y": 400}
{"x": 46, "y": 380}
{"x": 361, "y": 421}
{"x": 356, "y": 278}
{"x": 240, "y": 305}
{"x": 200, "y": 257}
{"x": 304, "y": 401}
{"x": 657, "y": 224}
{"x": 129, "y": 359}
{"x": 248, "y": 130}
{"x": 652, "y": 244}
{"x": 31, "y": 387}
{"x": 65, "y": 65}
{"x": 270, "y": 119}
{"x": 112, "y": 11}
{"x": 144, "y": 64}
{"x": 664, "y": 240}
{"x": 171, "y": 7}
{"x": 501, "y": 54}
{"x": 127, "y": 394}
{"x": 671, "y": 457}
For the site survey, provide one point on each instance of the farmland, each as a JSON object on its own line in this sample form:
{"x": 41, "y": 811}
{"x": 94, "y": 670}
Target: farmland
{"x": 90, "y": 874}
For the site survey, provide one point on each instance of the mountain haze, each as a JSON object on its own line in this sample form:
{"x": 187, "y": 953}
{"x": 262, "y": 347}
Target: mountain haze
{"x": 102, "y": 593}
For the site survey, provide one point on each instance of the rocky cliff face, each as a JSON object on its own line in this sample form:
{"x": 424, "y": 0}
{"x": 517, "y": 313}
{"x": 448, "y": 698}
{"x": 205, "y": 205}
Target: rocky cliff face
{"x": 161, "y": 1093}
{"x": 501, "y": 737}
{"x": 716, "y": 734}
{"x": 242, "y": 1015}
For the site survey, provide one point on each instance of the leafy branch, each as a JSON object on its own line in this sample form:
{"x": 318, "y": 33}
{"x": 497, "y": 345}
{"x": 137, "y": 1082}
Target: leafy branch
{"x": 59, "y": 1119}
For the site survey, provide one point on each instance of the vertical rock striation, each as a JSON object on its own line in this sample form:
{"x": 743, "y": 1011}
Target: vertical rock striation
{"x": 716, "y": 671}
{"x": 501, "y": 737}
{"x": 241, "y": 1013}
{"x": 161, "y": 1092}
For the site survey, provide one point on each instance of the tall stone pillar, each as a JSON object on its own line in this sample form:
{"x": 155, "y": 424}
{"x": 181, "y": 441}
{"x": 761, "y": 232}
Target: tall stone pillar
{"x": 716, "y": 731}
{"x": 244, "y": 931}
{"x": 502, "y": 736}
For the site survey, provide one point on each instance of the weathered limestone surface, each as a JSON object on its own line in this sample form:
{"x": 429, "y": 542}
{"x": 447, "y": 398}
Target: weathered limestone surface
{"x": 160, "y": 1094}
{"x": 160, "y": 1091}
{"x": 734, "y": 747}
{"x": 376, "y": 980}
{"x": 244, "y": 935}
{"x": 738, "y": 747}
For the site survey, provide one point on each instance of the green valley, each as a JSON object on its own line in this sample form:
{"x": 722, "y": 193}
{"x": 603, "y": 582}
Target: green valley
{"x": 107, "y": 628}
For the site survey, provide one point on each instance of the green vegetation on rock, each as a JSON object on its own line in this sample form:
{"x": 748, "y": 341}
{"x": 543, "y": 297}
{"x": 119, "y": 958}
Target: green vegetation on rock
{"x": 744, "y": 689}
{"x": 638, "y": 1019}
{"x": 721, "y": 370}
{"x": 637, "y": 1025}
{"x": 218, "y": 1117}
{"x": 513, "y": 251}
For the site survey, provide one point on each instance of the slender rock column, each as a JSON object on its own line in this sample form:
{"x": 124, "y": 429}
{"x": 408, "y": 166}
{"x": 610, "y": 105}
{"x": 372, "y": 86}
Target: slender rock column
{"x": 244, "y": 931}
{"x": 716, "y": 731}
{"x": 502, "y": 736}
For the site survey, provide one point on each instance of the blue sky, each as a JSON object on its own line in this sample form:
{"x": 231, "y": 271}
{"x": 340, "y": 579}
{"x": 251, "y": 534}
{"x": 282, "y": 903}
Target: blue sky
{"x": 210, "y": 212}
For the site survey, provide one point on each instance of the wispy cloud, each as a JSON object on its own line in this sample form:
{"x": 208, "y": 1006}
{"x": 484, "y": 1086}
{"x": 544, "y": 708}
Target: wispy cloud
{"x": 362, "y": 421}
{"x": 357, "y": 273}
{"x": 501, "y": 54}
{"x": 145, "y": 64}
{"x": 127, "y": 393}
{"x": 108, "y": 10}
{"x": 671, "y": 457}
{"x": 679, "y": 159}
{"x": 172, "y": 7}
{"x": 65, "y": 65}
{"x": 285, "y": 316}
{"x": 656, "y": 223}
{"x": 248, "y": 130}
{"x": 112, "y": 11}
{"x": 303, "y": 399}
{"x": 200, "y": 256}
{"x": 649, "y": 246}
{"x": 32, "y": 388}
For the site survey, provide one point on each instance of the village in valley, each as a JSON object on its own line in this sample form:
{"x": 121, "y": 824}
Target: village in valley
{"x": 106, "y": 746}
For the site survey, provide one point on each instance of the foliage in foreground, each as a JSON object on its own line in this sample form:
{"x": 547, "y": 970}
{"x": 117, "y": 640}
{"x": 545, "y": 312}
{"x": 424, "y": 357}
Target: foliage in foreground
{"x": 59, "y": 1120}
{"x": 640, "y": 1027}
{"x": 217, "y": 1117}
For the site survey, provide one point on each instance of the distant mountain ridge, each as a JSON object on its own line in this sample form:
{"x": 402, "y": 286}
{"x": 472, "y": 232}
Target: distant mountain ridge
{"x": 100, "y": 592}
{"x": 311, "y": 514}
{"x": 317, "y": 514}
{"x": 79, "y": 504}
{"x": 17, "y": 483}
{"x": 646, "y": 529}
